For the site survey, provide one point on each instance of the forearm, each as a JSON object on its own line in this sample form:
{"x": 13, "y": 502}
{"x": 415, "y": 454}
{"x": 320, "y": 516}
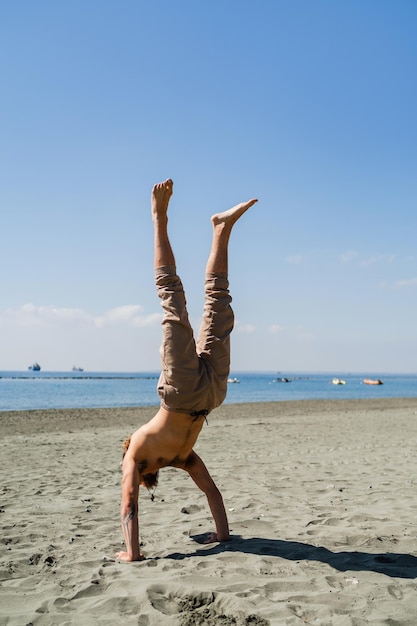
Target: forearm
{"x": 218, "y": 511}
{"x": 130, "y": 529}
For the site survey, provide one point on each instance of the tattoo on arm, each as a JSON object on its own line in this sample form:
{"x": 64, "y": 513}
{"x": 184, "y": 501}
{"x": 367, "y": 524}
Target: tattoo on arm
{"x": 126, "y": 520}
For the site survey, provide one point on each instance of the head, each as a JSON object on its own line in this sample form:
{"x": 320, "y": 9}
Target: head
{"x": 125, "y": 446}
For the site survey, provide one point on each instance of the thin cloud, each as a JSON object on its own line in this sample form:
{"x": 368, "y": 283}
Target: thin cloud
{"x": 348, "y": 256}
{"x": 245, "y": 328}
{"x": 129, "y": 314}
{"x": 295, "y": 259}
{"x": 31, "y": 315}
{"x": 275, "y": 328}
{"x": 377, "y": 258}
{"x": 402, "y": 283}
{"x": 406, "y": 282}
{"x": 303, "y": 334}
{"x": 351, "y": 255}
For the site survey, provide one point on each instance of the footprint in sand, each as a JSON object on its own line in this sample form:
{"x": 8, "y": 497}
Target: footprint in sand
{"x": 190, "y": 509}
{"x": 202, "y": 609}
{"x": 395, "y": 592}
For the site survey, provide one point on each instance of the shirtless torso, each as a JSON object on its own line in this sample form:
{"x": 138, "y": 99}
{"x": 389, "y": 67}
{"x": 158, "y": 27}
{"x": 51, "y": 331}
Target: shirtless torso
{"x": 166, "y": 440}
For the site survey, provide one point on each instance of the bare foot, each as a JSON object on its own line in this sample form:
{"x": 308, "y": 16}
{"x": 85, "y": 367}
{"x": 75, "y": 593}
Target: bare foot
{"x": 213, "y": 538}
{"x": 161, "y": 194}
{"x": 229, "y": 217}
{"x": 125, "y": 558}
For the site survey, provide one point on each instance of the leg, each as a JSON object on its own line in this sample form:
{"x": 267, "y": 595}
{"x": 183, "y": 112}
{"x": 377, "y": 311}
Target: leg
{"x": 161, "y": 194}
{"x": 222, "y": 227}
{"x": 214, "y": 338}
{"x": 178, "y": 351}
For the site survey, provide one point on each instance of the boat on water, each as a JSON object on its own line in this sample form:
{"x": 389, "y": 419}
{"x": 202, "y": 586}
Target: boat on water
{"x": 371, "y": 381}
{"x": 233, "y": 380}
{"x": 338, "y": 381}
{"x": 77, "y": 369}
{"x": 35, "y": 367}
{"x": 283, "y": 380}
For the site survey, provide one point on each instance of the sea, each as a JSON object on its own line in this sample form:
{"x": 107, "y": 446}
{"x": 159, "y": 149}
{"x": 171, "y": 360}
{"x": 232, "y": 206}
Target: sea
{"x": 29, "y": 390}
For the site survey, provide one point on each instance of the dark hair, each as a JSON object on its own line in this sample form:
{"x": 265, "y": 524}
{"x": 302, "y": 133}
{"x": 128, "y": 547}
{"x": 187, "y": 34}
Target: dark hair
{"x": 150, "y": 481}
{"x": 125, "y": 446}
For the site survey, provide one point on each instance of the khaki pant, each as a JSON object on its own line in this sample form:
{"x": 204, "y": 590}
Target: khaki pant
{"x": 194, "y": 376}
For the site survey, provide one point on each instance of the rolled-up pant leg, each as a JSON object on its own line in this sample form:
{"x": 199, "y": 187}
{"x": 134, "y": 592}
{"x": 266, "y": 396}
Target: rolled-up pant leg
{"x": 180, "y": 363}
{"x": 213, "y": 344}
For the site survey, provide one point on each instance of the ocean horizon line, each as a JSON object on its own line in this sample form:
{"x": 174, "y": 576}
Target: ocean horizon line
{"x": 259, "y": 372}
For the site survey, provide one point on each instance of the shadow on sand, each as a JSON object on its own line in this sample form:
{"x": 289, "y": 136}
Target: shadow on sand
{"x": 388, "y": 563}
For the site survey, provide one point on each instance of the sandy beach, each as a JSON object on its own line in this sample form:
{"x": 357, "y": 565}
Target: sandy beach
{"x": 322, "y": 505}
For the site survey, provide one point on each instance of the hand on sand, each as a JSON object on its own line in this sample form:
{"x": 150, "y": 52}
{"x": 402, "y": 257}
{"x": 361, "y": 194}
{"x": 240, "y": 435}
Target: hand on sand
{"x": 125, "y": 558}
{"x": 212, "y": 538}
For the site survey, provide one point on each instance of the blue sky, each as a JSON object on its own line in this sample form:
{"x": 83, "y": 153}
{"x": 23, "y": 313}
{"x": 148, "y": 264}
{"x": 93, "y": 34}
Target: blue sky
{"x": 309, "y": 105}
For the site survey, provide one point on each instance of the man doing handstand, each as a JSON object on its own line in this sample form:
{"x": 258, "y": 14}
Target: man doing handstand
{"x": 194, "y": 375}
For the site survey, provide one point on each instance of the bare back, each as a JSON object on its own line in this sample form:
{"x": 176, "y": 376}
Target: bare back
{"x": 166, "y": 440}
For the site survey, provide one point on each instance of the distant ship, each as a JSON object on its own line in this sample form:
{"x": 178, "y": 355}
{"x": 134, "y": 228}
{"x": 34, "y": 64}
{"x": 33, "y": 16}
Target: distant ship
{"x": 77, "y": 369}
{"x": 35, "y": 367}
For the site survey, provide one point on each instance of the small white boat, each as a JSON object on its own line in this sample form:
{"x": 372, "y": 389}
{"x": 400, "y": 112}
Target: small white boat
{"x": 233, "y": 380}
{"x": 338, "y": 381}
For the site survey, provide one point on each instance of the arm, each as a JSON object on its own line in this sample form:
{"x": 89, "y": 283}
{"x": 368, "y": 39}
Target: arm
{"x": 200, "y": 475}
{"x": 129, "y": 511}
